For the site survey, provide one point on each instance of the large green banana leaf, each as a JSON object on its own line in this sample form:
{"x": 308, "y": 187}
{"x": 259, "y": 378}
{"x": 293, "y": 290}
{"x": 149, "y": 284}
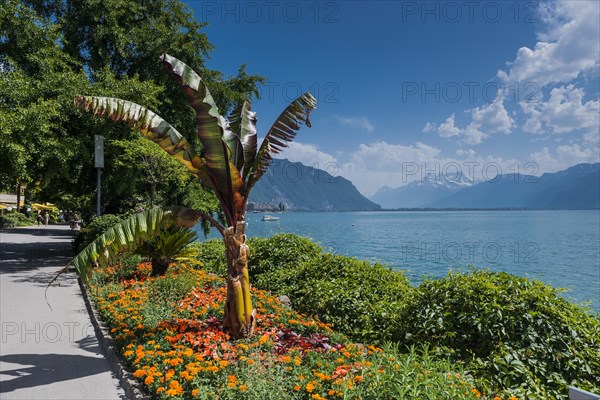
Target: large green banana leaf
{"x": 152, "y": 127}
{"x": 242, "y": 121}
{"x": 282, "y": 132}
{"x": 130, "y": 234}
{"x": 211, "y": 131}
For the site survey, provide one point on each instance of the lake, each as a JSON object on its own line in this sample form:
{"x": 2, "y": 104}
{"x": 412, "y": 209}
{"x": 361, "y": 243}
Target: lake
{"x": 558, "y": 247}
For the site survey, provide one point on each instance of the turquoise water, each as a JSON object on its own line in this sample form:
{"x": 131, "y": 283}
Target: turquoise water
{"x": 558, "y": 247}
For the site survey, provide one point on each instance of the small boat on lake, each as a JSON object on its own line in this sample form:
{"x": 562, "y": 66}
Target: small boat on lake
{"x": 270, "y": 218}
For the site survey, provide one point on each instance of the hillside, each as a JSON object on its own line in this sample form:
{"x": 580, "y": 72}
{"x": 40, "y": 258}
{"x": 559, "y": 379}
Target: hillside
{"x": 302, "y": 188}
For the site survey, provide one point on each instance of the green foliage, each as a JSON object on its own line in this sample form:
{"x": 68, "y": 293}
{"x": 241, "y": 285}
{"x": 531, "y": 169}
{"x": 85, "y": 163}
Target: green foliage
{"x": 519, "y": 335}
{"x": 282, "y": 251}
{"x": 358, "y": 298}
{"x": 169, "y": 245}
{"x": 11, "y": 220}
{"x": 149, "y": 232}
{"x": 417, "y": 374}
{"x": 52, "y": 51}
{"x": 141, "y": 167}
{"x": 166, "y": 293}
{"x": 212, "y": 255}
{"x": 7, "y": 222}
{"x": 96, "y": 227}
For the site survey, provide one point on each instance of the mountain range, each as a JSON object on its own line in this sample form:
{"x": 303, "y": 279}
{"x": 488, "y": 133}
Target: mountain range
{"x": 418, "y": 193}
{"x": 302, "y": 188}
{"x": 577, "y": 187}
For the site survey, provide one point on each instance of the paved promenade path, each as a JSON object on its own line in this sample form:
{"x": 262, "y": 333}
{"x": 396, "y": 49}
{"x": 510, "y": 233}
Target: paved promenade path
{"x": 44, "y": 353}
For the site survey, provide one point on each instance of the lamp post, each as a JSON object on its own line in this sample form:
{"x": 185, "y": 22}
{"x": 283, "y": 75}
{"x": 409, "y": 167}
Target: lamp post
{"x": 99, "y": 164}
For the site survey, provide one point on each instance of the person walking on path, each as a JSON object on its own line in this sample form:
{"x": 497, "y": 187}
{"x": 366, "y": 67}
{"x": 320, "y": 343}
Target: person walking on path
{"x": 46, "y": 218}
{"x": 39, "y": 218}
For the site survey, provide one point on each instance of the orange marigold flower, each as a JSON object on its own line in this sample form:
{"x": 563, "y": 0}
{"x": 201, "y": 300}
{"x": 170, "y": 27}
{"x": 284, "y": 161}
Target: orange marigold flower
{"x": 171, "y": 392}
{"x": 149, "y": 380}
{"x": 139, "y": 373}
{"x": 296, "y": 388}
{"x": 331, "y": 392}
{"x": 195, "y": 392}
{"x": 263, "y": 339}
{"x": 160, "y": 389}
{"x": 513, "y": 398}
{"x": 310, "y": 387}
{"x": 243, "y": 387}
{"x": 359, "y": 378}
{"x": 173, "y": 384}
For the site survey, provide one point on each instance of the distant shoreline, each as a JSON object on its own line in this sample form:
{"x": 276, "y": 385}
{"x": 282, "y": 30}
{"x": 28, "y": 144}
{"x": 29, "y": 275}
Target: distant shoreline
{"x": 433, "y": 209}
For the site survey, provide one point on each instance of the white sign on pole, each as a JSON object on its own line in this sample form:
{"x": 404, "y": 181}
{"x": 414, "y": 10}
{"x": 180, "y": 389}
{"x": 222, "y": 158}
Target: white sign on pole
{"x": 99, "y": 151}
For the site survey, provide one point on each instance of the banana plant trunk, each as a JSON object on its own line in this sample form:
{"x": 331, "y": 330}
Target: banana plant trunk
{"x": 239, "y": 315}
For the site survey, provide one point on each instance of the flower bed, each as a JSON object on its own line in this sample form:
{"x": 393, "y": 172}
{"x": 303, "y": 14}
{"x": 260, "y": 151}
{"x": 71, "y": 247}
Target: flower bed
{"x": 168, "y": 329}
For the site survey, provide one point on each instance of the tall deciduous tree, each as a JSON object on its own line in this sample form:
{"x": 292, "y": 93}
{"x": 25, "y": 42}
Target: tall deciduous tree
{"x": 52, "y": 50}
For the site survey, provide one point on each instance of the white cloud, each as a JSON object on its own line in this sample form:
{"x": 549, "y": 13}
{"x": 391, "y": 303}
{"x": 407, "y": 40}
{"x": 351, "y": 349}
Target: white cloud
{"x": 567, "y": 49}
{"x": 356, "y": 122}
{"x": 307, "y": 154}
{"x": 448, "y": 128}
{"x": 472, "y": 134}
{"x": 565, "y": 111}
{"x": 564, "y": 157}
{"x": 486, "y": 120}
{"x": 379, "y": 164}
{"x": 493, "y": 117}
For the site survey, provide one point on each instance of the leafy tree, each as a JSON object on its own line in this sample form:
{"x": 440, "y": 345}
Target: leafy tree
{"x": 230, "y": 164}
{"x": 53, "y": 50}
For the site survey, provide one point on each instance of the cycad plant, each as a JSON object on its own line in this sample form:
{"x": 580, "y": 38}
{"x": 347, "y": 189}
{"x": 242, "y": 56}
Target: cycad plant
{"x": 230, "y": 164}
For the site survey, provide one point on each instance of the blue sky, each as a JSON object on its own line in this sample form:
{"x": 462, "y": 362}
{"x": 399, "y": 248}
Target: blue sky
{"x": 411, "y": 87}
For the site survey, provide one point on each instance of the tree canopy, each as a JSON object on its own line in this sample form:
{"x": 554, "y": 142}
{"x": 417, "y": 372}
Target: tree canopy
{"x": 54, "y": 50}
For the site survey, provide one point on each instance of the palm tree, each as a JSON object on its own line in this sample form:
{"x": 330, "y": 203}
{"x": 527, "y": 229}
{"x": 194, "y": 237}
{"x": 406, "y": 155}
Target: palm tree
{"x": 231, "y": 163}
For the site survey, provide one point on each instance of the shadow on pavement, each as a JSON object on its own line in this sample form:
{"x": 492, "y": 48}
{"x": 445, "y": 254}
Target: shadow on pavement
{"x": 45, "y": 369}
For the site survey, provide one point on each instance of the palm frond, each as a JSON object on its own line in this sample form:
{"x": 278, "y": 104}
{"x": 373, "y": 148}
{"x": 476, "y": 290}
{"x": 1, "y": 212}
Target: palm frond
{"x": 211, "y": 132}
{"x": 282, "y": 132}
{"x": 129, "y": 234}
{"x": 151, "y": 126}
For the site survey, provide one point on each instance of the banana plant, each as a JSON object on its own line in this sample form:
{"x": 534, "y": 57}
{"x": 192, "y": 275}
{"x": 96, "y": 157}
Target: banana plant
{"x": 230, "y": 164}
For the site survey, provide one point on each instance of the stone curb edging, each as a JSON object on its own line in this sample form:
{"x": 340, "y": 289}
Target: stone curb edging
{"x": 133, "y": 389}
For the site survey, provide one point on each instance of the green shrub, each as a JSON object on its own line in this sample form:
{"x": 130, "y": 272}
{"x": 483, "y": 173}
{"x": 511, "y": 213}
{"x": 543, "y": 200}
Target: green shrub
{"x": 358, "y": 298}
{"x": 212, "y": 255}
{"x": 6, "y": 222}
{"x": 282, "y": 251}
{"x": 519, "y": 335}
{"x": 14, "y": 219}
{"x": 267, "y": 255}
{"x": 95, "y": 228}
